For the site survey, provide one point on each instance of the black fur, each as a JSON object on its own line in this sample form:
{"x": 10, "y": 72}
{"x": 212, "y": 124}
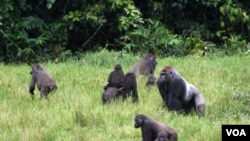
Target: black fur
{"x": 131, "y": 86}
{"x": 151, "y": 129}
{"x": 116, "y": 77}
{"x": 151, "y": 80}
{"x": 178, "y": 94}
{"x": 110, "y": 93}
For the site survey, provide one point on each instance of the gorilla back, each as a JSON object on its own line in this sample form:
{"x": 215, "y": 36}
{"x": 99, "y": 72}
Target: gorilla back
{"x": 131, "y": 87}
{"x": 116, "y": 77}
{"x": 145, "y": 66}
{"x": 43, "y": 80}
{"x": 110, "y": 93}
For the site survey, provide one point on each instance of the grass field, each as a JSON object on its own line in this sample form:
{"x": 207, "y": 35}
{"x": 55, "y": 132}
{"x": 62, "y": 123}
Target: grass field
{"x": 75, "y": 112}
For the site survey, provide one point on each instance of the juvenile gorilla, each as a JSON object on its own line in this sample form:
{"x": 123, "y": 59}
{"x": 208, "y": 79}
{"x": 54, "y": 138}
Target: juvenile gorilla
{"x": 110, "y": 93}
{"x": 145, "y": 66}
{"x": 120, "y": 85}
{"x": 162, "y": 136}
{"x": 130, "y": 86}
{"x": 153, "y": 130}
{"x": 43, "y": 80}
{"x": 178, "y": 94}
{"x": 151, "y": 80}
{"x": 116, "y": 78}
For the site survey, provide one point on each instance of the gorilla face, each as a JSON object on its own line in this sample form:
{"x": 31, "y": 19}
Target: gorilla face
{"x": 165, "y": 77}
{"x": 32, "y": 70}
{"x": 138, "y": 122}
{"x": 152, "y": 59}
{"x": 151, "y": 80}
{"x": 149, "y": 57}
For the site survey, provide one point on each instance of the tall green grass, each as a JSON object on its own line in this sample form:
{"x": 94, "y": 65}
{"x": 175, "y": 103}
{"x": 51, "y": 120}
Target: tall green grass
{"x": 75, "y": 112}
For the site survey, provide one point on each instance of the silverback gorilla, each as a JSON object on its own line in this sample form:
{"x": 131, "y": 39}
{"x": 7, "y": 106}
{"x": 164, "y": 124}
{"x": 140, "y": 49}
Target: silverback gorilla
{"x": 178, "y": 94}
{"x": 145, "y": 66}
{"x": 43, "y": 80}
{"x": 116, "y": 77}
{"x": 152, "y": 130}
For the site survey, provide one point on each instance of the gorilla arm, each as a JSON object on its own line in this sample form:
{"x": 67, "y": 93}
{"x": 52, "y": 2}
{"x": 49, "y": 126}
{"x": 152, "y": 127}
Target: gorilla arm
{"x": 199, "y": 100}
{"x": 177, "y": 88}
{"x": 162, "y": 85}
{"x": 146, "y": 124}
{"x": 32, "y": 84}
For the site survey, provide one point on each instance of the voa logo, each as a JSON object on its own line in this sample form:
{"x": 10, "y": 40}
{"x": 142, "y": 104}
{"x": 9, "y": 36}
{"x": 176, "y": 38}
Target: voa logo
{"x": 236, "y": 132}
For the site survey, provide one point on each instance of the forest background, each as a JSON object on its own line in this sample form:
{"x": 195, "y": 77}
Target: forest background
{"x": 32, "y": 31}
{"x": 79, "y": 41}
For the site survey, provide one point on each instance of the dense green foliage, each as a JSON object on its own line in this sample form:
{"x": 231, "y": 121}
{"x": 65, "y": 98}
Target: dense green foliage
{"x": 75, "y": 112}
{"x": 32, "y": 31}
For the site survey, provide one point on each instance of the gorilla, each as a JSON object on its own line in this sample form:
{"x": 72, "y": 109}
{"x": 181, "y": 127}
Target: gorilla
{"x": 116, "y": 78}
{"x": 120, "y": 85}
{"x": 145, "y": 66}
{"x": 43, "y": 80}
{"x": 179, "y": 95}
{"x": 151, "y": 80}
{"x": 130, "y": 86}
{"x": 110, "y": 93}
{"x": 153, "y": 130}
{"x": 162, "y": 136}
